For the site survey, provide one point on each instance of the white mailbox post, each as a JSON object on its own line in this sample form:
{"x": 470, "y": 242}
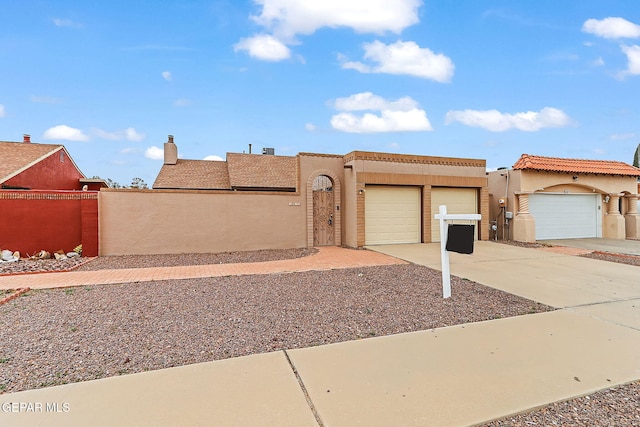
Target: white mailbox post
{"x": 444, "y": 217}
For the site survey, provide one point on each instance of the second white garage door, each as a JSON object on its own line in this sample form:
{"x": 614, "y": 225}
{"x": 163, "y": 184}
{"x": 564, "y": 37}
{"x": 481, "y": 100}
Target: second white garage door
{"x": 565, "y": 216}
{"x": 392, "y": 215}
{"x": 457, "y": 201}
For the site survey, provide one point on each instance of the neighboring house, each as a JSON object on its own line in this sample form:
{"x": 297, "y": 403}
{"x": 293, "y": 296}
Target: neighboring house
{"x": 253, "y": 201}
{"x": 556, "y": 198}
{"x": 42, "y": 202}
{"x": 30, "y": 166}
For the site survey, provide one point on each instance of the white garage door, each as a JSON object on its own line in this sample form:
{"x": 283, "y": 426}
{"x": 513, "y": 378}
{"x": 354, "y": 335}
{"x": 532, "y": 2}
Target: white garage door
{"x": 392, "y": 215}
{"x": 565, "y": 216}
{"x": 457, "y": 201}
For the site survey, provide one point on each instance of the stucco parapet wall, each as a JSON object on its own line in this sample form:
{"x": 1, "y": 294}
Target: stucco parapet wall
{"x": 181, "y": 191}
{"x": 410, "y": 158}
{"x": 422, "y": 179}
{"x": 336, "y": 156}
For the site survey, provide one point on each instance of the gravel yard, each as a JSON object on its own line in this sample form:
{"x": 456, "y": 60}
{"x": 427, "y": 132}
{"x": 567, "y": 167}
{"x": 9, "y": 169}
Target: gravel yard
{"x": 39, "y": 266}
{"x": 59, "y": 336}
{"x": 617, "y": 406}
{"x": 141, "y": 261}
{"x": 620, "y": 258}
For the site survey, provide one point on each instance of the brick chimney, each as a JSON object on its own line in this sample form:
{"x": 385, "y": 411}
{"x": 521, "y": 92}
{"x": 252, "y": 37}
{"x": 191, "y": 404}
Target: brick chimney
{"x": 170, "y": 152}
{"x": 26, "y": 138}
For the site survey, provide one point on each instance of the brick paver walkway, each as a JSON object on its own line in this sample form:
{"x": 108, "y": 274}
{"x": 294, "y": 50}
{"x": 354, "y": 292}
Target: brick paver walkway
{"x": 327, "y": 258}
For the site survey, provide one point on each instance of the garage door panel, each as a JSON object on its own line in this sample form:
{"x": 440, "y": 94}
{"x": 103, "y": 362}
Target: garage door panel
{"x": 565, "y": 216}
{"x": 392, "y": 215}
{"x": 457, "y": 201}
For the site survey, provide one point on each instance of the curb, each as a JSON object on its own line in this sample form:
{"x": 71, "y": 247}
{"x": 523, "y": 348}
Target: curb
{"x": 16, "y": 294}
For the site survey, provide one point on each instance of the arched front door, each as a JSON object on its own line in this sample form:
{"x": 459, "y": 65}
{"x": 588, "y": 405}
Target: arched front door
{"x": 323, "y": 205}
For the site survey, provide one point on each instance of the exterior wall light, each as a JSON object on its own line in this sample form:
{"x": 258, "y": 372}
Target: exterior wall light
{"x": 607, "y": 198}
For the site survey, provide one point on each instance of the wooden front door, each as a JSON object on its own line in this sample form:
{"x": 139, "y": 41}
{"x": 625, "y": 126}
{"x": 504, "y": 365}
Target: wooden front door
{"x": 323, "y": 221}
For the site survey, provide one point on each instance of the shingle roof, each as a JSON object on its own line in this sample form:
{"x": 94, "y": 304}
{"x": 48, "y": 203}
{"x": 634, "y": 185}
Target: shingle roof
{"x": 194, "y": 175}
{"x": 556, "y": 164}
{"x": 18, "y": 156}
{"x": 262, "y": 171}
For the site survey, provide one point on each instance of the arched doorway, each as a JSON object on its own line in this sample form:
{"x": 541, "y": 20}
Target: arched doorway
{"x": 323, "y": 211}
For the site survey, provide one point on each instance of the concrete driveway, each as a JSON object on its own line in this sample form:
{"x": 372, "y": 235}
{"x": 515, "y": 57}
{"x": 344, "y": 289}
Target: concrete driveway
{"x": 606, "y": 289}
{"x": 631, "y": 247}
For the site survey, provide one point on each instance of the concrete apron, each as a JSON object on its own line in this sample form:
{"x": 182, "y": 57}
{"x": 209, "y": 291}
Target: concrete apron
{"x": 558, "y": 280}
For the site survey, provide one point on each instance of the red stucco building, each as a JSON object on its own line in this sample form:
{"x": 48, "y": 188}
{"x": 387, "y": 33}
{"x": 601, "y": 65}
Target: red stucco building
{"x": 45, "y": 200}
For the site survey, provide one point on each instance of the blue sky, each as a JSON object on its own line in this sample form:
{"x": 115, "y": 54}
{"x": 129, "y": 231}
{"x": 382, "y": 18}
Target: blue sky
{"x": 486, "y": 79}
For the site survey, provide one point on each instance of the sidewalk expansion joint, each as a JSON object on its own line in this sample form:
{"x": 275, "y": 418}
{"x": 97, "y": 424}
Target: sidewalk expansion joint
{"x": 592, "y": 304}
{"x": 304, "y": 390}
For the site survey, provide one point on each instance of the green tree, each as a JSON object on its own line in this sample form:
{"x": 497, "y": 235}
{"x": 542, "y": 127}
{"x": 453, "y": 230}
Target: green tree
{"x": 636, "y": 157}
{"x": 139, "y": 183}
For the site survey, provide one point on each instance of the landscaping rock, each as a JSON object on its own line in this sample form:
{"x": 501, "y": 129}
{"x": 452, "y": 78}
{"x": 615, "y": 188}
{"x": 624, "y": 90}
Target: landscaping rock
{"x": 8, "y": 256}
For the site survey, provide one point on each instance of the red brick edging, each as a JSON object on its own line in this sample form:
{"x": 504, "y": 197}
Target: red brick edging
{"x": 16, "y": 294}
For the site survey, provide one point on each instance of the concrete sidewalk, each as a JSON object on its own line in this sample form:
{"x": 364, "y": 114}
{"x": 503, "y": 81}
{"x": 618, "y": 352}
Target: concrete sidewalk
{"x": 460, "y": 375}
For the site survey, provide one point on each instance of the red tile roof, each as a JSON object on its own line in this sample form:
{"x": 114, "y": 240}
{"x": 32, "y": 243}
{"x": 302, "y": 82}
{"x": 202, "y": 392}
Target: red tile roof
{"x": 556, "y": 164}
{"x": 15, "y": 157}
{"x": 194, "y": 175}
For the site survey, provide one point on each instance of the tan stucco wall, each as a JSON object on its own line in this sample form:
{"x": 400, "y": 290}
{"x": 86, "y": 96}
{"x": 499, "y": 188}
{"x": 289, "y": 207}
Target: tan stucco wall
{"x": 166, "y": 221}
{"x": 310, "y": 167}
{"x": 526, "y": 181}
{"x": 404, "y": 170}
{"x": 350, "y": 217}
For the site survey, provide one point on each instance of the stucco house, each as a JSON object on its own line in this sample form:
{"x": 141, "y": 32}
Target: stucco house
{"x": 30, "y": 166}
{"x": 554, "y": 198}
{"x": 259, "y": 201}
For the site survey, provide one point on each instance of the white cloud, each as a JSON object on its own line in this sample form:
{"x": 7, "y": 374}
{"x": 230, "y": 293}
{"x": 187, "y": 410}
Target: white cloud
{"x": 58, "y": 22}
{"x": 286, "y": 18}
{"x": 154, "y": 153}
{"x": 133, "y": 135}
{"x": 263, "y": 46}
{"x": 402, "y": 115}
{"x": 598, "y": 62}
{"x": 368, "y": 101}
{"x": 130, "y": 134}
{"x": 621, "y": 136}
{"x": 214, "y": 158}
{"x": 404, "y": 58}
{"x": 167, "y": 75}
{"x": 633, "y": 60}
{"x": 495, "y": 121}
{"x": 182, "y": 102}
{"x": 64, "y": 132}
{"x": 310, "y": 127}
{"x": 388, "y": 121}
{"x": 611, "y": 28}
{"x": 2, "y": 112}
